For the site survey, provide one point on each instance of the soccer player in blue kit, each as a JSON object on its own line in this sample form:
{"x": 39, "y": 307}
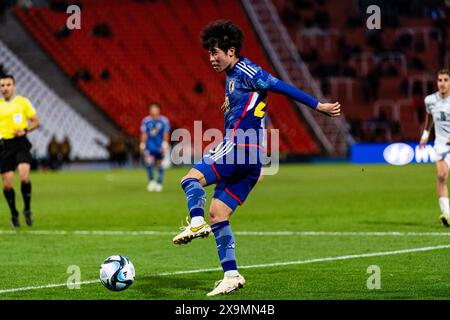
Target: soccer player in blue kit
{"x": 246, "y": 91}
{"x": 154, "y": 143}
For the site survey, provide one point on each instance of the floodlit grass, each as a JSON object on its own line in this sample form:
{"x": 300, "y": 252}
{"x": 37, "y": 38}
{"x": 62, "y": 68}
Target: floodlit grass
{"x": 330, "y": 198}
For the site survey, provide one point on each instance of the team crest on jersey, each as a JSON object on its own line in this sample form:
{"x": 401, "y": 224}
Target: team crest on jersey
{"x": 231, "y": 85}
{"x": 226, "y": 105}
{"x": 155, "y": 130}
{"x": 17, "y": 118}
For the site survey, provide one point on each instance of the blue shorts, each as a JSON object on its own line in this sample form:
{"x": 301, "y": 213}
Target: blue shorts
{"x": 156, "y": 154}
{"x": 235, "y": 180}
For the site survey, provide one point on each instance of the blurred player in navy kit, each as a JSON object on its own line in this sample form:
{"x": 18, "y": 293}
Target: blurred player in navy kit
{"x": 154, "y": 143}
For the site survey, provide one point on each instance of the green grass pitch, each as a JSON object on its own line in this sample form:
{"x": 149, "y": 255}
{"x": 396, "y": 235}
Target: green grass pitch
{"x": 334, "y": 199}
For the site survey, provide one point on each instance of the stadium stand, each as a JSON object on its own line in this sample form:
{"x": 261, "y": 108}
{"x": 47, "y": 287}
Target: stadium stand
{"x": 379, "y": 76}
{"x": 57, "y": 118}
{"x": 129, "y": 53}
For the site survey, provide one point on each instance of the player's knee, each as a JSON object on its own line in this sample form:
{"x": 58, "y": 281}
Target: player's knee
{"x": 25, "y": 179}
{"x": 7, "y": 185}
{"x": 189, "y": 175}
{"x": 442, "y": 177}
{"x": 216, "y": 216}
{"x": 195, "y": 174}
{"x": 213, "y": 218}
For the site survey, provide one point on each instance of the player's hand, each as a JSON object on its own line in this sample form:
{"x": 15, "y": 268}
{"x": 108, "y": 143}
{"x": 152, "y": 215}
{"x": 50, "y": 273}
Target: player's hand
{"x": 142, "y": 147}
{"x": 19, "y": 133}
{"x": 423, "y": 143}
{"x": 329, "y": 109}
{"x": 164, "y": 147}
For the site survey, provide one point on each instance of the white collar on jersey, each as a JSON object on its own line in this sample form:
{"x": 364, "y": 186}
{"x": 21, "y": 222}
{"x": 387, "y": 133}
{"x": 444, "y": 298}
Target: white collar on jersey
{"x": 11, "y": 100}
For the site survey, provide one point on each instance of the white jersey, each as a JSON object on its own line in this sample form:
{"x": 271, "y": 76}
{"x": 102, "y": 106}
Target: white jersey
{"x": 439, "y": 108}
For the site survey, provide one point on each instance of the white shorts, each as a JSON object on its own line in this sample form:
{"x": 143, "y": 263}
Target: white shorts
{"x": 442, "y": 153}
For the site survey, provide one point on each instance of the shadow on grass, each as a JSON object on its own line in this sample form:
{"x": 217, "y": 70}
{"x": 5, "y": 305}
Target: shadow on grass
{"x": 395, "y": 223}
{"x": 165, "y": 287}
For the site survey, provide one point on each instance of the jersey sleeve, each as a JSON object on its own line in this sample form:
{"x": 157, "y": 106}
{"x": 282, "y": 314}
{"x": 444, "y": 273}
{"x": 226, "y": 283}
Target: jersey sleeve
{"x": 263, "y": 80}
{"x": 29, "y": 110}
{"x": 428, "y": 103}
{"x": 166, "y": 125}
{"x": 143, "y": 128}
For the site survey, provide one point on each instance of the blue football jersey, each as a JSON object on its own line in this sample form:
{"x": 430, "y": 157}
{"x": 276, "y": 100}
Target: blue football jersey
{"x": 155, "y": 129}
{"x": 245, "y": 104}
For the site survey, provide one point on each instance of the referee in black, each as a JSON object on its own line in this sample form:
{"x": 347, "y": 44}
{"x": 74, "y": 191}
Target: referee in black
{"x": 17, "y": 117}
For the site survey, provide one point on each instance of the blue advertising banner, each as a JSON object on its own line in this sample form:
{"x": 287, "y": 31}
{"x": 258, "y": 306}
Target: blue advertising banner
{"x": 398, "y": 153}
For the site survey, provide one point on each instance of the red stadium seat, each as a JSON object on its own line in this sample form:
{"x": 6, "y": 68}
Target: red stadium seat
{"x": 155, "y": 54}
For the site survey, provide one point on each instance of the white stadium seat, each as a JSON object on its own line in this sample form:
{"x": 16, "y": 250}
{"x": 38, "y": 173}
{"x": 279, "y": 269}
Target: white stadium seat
{"x": 57, "y": 117}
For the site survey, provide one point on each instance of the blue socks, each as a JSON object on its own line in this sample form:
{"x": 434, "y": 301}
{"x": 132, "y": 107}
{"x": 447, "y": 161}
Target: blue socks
{"x": 160, "y": 174}
{"x": 149, "y": 172}
{"x": 225, "y": 246}
{"x": 196, "y": 197}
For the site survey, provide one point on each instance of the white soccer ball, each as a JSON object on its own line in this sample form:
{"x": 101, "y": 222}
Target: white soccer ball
{"x": 117, "y": 273}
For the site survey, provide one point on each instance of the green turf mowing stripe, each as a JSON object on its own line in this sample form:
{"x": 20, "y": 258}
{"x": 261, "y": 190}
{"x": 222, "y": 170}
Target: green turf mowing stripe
{"x": 240, "y": 233}
{"x": 276, "y": 264}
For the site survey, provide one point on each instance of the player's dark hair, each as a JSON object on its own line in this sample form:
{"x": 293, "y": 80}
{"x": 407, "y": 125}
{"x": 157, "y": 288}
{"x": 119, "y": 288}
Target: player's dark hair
{"x": 444, "y": 71}
{"x": 8, "y": 76}
{"x": 154, "y": 105}
{"x": 223, "y": 34}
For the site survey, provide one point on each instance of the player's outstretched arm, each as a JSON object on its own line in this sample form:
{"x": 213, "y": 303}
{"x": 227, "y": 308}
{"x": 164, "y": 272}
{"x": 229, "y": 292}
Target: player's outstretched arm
{"x": 426, "y": 131}
{"x": 329, "y": 109}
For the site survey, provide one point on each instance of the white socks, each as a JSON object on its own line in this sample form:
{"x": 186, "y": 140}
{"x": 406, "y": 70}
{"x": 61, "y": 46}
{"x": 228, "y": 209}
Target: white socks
{"x": 198, "y": 221}
{"x": 443, "y": 203}
{"x": 231, "y": 273}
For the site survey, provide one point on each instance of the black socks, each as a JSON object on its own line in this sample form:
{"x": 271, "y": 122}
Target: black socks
{"x": 26, "y": 194}
{"x": 10, "y": 197}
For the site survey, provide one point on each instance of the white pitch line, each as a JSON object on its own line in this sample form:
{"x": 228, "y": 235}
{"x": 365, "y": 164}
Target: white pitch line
{"x": 47, "y": 286}
{"x": 354, "y": 256}
{"x": 240, "y": 233}
{"x": 276, "y": 264}
{"x": 339, "y": 233}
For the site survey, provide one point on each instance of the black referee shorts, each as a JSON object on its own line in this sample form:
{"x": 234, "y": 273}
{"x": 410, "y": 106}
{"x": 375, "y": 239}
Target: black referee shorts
{"x": 14, "y": 151}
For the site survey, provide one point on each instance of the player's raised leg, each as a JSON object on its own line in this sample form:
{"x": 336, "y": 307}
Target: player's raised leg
{"x": 192, "y": 185}
{"x": 24, "y": 173}
{"x": 219, "y": 217}
{"x": 10, "y": 196}
{"x": 442, "y": 190}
